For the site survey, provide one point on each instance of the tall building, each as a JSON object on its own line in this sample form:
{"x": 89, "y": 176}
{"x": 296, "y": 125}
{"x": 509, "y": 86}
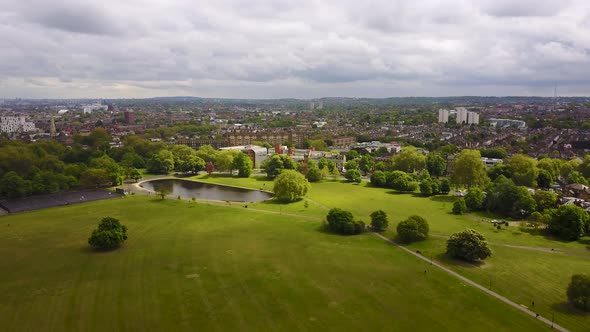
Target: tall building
{"x": 15, "y": 124}
{"x": 129, "y": 117}
{"x": 472, "y": 118}
{"x": 443, "y": 116}
{"x": 52, "y": 130}
{"x": 461, "y": 115}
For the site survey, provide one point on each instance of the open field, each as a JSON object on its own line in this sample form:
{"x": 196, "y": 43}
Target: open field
{"x": 202, "y": 267}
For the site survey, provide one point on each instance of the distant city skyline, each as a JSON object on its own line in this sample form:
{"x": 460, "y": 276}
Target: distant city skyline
{"x": 293, "y": 49}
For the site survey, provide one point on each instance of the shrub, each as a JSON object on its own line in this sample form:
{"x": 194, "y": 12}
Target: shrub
{"x": 379, "y": 220}
{"x": 468, "y": 245}
{"x": 342, "y": 222}
{"x": 415, "y": 228}
{"x": 459, "y": 206}
{"x": 110, "y": 234}
{"x": 578, "y": 291}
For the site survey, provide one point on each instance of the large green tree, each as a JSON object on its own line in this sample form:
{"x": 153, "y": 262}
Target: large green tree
{"x": 469, "y": 170}
{"x": 409, "y": 160}
{"x": 110, "y": 234}
{"x": 578, "y": 291}
{"x": 569, "y": 222}
{"x": 435, "y": 164}
{"x": 161, "y": 162}
{"x": 415, "y": 228}
{"x": 524, "y": 170}
{"x": 243, "y": 164}
{"x": 290, "y": 186}
{"x": 342, "y": 222}
{"x": 468, "y": 245}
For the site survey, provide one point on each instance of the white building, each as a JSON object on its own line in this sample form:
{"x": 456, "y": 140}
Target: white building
{"x": 15, "y": 124}
{"x": 461, "y": 115}
{"x": 443, "y": 116}
{"x": 489, "y": 162}
{"x": 94, "y": 107}
{"x": 507, "y": 123}
{"x": 472, "y": 118}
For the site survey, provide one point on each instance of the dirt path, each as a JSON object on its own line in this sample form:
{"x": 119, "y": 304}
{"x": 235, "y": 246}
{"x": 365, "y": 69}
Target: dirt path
{"x": 478, "y": 286}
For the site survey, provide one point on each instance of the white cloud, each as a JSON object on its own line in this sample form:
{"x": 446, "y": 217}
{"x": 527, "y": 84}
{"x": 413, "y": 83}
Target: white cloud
{"x": 288, "y": 48}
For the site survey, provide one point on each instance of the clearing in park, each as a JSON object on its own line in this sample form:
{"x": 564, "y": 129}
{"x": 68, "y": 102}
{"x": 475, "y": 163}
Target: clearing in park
{"x": 197, "y": 266}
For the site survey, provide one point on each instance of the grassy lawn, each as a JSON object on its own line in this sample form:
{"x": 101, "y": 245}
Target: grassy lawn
{"x": 523, "y": 276}
{"x": 190, "y": 267}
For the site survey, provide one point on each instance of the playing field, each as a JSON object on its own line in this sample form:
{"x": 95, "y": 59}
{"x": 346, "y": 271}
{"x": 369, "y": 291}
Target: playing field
{"x": 201, "y": 267}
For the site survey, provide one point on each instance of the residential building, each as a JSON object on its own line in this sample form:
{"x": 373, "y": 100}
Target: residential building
{"x": 443, "y": 116}
{"x": 15, "y": 124}
{"x": 461, "y": 115}
{"x": 257, "y": 154}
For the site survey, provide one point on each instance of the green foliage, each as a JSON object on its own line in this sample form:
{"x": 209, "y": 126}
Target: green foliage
{"x": 400, "y": 181}
{"x": 545, "y": 199}
{"x": 435, "y": 164}
{"x": 14, "y": 186}
{"x": 110, "y": 234}
{"x": 314, "y": 174}
{"x": 468, "y": 245}
{"x": 186, "y": 159}
{"x": 445, "y": 186}
{"x": 290, "y": 186}
{"x": 379, "y": 221}
{"x": 224, "y": 160}
{"x": 415, "y": 228}
{"x": 569, "y": 222}
{"x": 409, "y": 160}
{"x": 352, "y": 155}
{"x": 475, "y": 198}
{"x": 351, "y": 164}
{"x": 459, "y": 206}
{"x": 243, "y": 164}
{"x": 497, "y": 153}
{"x": 366, "y": 164}
{"x": 499, "y": 169}
{"x": 584, "y": 167}
{"x": 544, "y": 179}
{"x": 161, "y": 162}
{"x": 342, "y": 222}
{"x": 578, "y": 291}
{"x": 378, "y": 179}
{"x": 524, "y": 170}
{"x": 353, "y": 175}
{"x": 469, "y": 170}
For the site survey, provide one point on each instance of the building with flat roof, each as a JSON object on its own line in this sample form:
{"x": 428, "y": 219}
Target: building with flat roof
{"x": 15, "y": 124}
{"x": 257, "y": 154}
{"x": 443, "y": 116}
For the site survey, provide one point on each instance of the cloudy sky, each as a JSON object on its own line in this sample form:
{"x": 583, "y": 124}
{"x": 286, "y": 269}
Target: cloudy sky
{"x": 293, "y": 48}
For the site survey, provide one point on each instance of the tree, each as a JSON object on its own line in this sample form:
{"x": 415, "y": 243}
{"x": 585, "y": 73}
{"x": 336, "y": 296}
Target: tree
{"x": 243, "y": 164}
{"x": 186, "y": 159}
{"x": 497, "y": 153}
{"x": 351, "y": 164}
{"x": 14, "y": 186}
{"x": 353, "y": 175}
{"x": 409, "y": 160}
{"x": 110, "y": 166}
{"x": 135, "y": 174}
{"x": 469, "y": 170}
{"x": 352, "y": 155}
{"x": 161, "y": 162}
{"x": 544, "y": 179}
{"x": 209, "y": 167}
{"x": 415, "y": 228}
{"x": 551, "y": 166}
{"x": 426, "y": 186}
{"x": 524, "y": 170}
{"x": 578, "y": 291}
{"x": 497, "y": 170}
{"x": 163, "y": 192}
{"x": 468, "y": 245}
{"x": 569, "y": 222}
{"x": 290, "y": 186}
{"x": 95, "y": 177}
{"x": 207, "y": 153}
{"x": 584, "y": 167}
{"x": 474, "y": 199}
{"x": 525, "y": 203}
{"x": 110, "y": 234}
{"x": 366, "y": 164}
{"x": 314, "y": 174}
{"x": 445, "y": 186}
{"x": 224, "y": 160}
{"x": 435, "y": 164}
{"x": 545, "y": 199}
{"x": 459, "y": 206}
{"x": 400, "y": 181}
{"x": 378, "y": 179}
{"x": 342, "y": 222}
{"x": 379, "y": 221}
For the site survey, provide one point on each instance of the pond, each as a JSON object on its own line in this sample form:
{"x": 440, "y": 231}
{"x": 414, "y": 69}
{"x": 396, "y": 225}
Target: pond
{"x": 209, "y": 191}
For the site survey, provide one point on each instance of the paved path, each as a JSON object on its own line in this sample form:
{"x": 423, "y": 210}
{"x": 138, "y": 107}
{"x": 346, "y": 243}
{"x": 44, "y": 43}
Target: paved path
{"x": 476, "y": 285}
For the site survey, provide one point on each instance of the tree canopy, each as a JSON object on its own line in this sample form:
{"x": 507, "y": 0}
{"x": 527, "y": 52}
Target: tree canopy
{"x": 290, "y": 186}
{"x": 578, "y": 291}
{"x": 342, "y": 222}
{"x": 469, "y": 170}
{"x": 415, "y": 228}
{"x": 379, "y": 221}
{"x": 569, "y": 222}
{"x": 110, "y": 234}
{"x": 468, "y": 245}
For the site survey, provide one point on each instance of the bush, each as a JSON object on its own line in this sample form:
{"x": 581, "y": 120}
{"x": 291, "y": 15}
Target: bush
{"x": 468, "y": 245}
{"x": 474, "y": 199}
{"x": 378, "y": 179}
{"x": 290, "y": 186}
{"x": 379, "y": 221}
{"x": 342, "y": 222}
{"x": 445, "y": 186}
{"x": 110, "y": 234}
{"x": 353, "y": 175}
{"x": 415, "y": 228}
{"x": 578, "y": 291}
{"x": 459, "y": 206}
{"x": 314, "y": 174}
{"x": 569, "y": 222}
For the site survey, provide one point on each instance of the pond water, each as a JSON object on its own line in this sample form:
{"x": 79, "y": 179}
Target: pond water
{"x": 200, "y": 190}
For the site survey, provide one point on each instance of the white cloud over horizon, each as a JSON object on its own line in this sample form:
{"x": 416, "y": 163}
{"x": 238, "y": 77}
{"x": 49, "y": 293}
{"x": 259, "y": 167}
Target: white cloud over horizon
{"x": 287, "y": 48}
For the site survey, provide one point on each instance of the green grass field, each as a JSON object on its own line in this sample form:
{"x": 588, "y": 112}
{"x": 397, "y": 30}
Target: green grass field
{"x": 521, "y": 275}
{"x": 202, "y": 267}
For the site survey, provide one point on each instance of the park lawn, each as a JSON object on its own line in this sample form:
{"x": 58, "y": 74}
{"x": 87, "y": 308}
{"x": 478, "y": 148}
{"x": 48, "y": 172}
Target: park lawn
{"x": 523, "y": 276}
{"x": 190, "y": 267}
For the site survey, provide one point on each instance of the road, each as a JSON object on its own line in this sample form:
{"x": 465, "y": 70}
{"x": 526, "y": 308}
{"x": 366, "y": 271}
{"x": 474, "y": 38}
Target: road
{"x": 476, "y": 285}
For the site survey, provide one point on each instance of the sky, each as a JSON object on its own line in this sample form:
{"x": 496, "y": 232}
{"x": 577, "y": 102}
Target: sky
{"x": 293, "y": 48}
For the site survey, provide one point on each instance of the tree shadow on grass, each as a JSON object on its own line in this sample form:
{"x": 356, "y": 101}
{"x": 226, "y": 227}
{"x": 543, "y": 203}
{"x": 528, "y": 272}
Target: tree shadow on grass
{"x": 444, "y": 198}
{"x": 567, "y": 308}
{"x": 444, "y": 258}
